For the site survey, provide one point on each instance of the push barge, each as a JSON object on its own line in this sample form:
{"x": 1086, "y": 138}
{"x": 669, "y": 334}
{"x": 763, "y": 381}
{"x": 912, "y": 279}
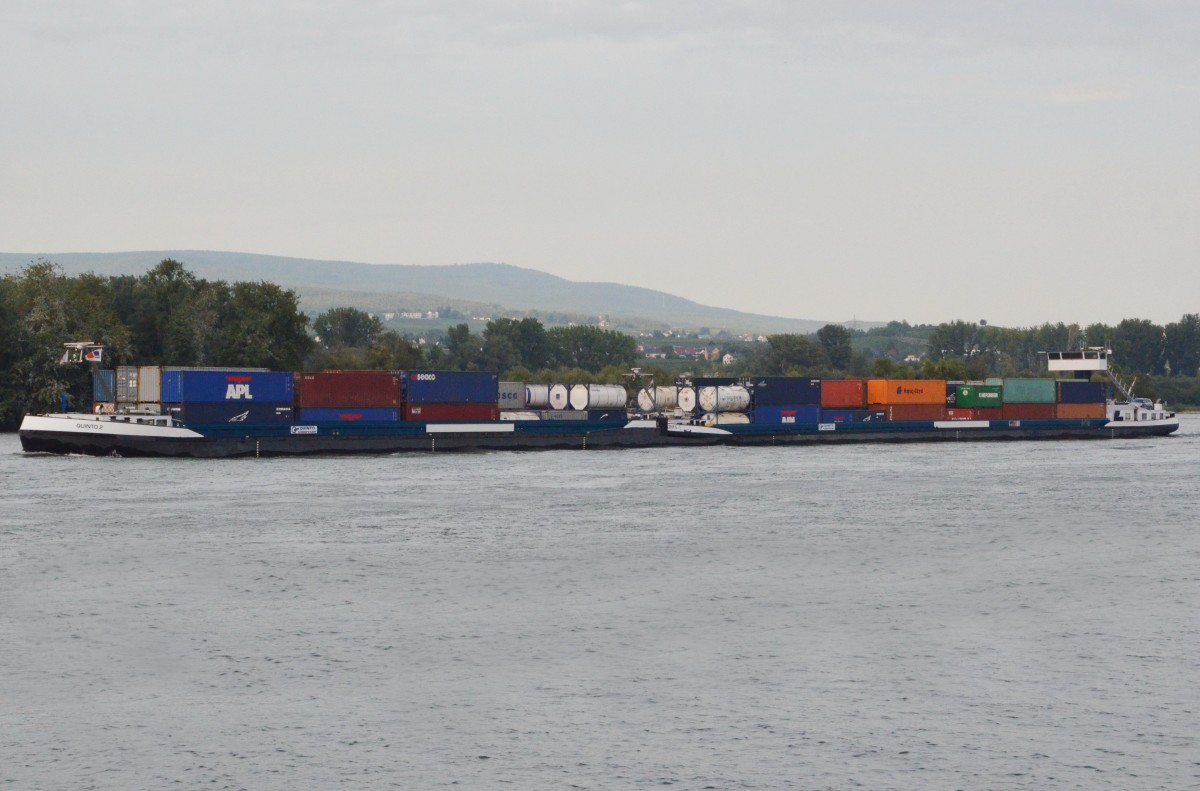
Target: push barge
{"x": 207, "y": 413}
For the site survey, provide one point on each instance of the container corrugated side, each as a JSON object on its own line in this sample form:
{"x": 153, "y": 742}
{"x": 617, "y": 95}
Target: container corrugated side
{"x": 104, "y": 386}
{"x": 127, "y": 384}
{"x": 906, "y": 391}
{"x": 451, "y": 387}
{"x": 512, "y": 395}
{"x": 218, "y": 386}
{"x": 1028, "y": 412}
{"x": 1029, "y": 391}
{"x": 972, "y": 396}
{"x": 244, "y": 414}
{"x": 903, "y": 412}
{"x": 340, "y": 389}
{"x": 786, "y": 414}
{"x": 1080, "y": 411}
{"x": 786, "y": 390}
{"x": 149, "y": 386}
{"x": 451, "y": 412}
{"x": 348, "y": 414}
{"x": 852, "y": 415}
{"x": 1080, "y": 391}
{"x": 844, "y": 393}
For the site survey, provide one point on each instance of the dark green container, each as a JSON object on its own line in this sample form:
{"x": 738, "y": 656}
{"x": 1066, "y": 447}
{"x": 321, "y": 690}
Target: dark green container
{"x": 976, "y": 396}
{"x": 1030, "y": 391}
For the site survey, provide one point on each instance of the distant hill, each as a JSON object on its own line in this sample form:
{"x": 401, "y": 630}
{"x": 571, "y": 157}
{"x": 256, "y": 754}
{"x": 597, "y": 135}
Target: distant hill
{"x": 499, "y": 289}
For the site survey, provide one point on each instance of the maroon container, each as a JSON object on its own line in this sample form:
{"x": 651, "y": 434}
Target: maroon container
{"x": 451, "y": 412}
{"x": 916, "y": 412}
{"x": 989, "y": 413}
{"x": 348, "y": 389}
{"x": 1028, "y": 412}
{"x": 843, "y": 393}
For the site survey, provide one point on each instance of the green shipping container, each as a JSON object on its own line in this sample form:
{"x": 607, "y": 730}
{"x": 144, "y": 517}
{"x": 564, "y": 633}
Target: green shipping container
{"x": 972, "y": 396}
{"x": 1030, "y": 391}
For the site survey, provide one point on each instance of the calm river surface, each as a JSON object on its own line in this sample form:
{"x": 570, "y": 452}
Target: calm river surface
{"x": 991, "y": 615}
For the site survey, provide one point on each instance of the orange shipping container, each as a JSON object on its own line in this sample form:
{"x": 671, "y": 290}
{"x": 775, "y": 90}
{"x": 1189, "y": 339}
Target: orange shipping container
{"x": 916, "y": 412}
{"x": 906, "y": 391}
{"x": 843, "y": 393}
{"x": 1081, "y": 411}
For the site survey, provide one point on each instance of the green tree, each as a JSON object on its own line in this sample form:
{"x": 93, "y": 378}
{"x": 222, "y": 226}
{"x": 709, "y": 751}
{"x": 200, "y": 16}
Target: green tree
{"x": 391, "y": 352}
{"x": 1138, "y": 345}
{"x": 835, "y": 340}
{"x": 265, "y": 328}
{"x": 340, "y": 328}
{"x": 590, "y": 348}
{"x": 1183, "y": 345}
{"x": 790, "y": 353}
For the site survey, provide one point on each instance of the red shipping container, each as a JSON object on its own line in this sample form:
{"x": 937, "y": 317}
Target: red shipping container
{"x": 348, "y": 389}
{"x": 1081, "y": 411}
{"x": 989, "y": 413}
{"x": 916, "y": 412}
{"x": 451, "y": 412}
{"x": 1027, "y": 412}
{"x": 956, "y": 413}
{"x": 844, "y": 393}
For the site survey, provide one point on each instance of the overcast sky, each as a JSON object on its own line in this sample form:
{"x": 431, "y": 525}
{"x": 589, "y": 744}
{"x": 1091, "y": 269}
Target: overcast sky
{"x": 1017, "y": 162}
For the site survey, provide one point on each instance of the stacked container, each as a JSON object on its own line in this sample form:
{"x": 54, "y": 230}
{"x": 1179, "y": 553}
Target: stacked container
{"x": 787, "y": 400}
{"x": 451, "y": 395}
{"x": 908, "y": 399}
{"x": 842, "y": 394}
{"x": 236, "y": 397}
{"x": 1080, "y": 399}
{"x": 1029, "y": 399}
{"x": 348, "y": 397}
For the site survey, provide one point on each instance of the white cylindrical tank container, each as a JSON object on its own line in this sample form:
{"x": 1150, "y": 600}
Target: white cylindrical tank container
{"x": 725, "y": 418}
{"x": 687, "y": 399}
{"x": 658, "y": 399}
{"x": 537, "y": 396}
{"x": 734, "y": 398}
{"x": 598, "y": 397}
{"x": 560, "y": 397}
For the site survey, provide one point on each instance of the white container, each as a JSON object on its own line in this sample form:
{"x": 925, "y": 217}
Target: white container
{"x": 560, "y": 397}
{"x": 598, "y": 397}
{"x": 537, "y": 396}
{"x": 687, "y": 399}
{"x": 723, "y": 399}
{"x": 149, "y": 384}
{"x": 658, "y": 399}
{"x": 519, "y": 415}
{"x": 725, "y": 418}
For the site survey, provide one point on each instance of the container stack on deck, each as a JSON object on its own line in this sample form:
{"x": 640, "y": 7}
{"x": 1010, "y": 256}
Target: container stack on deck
{"x": 246, "y": 397}
{"x": 348, "y": 397}
{"x": 451, "y": 395}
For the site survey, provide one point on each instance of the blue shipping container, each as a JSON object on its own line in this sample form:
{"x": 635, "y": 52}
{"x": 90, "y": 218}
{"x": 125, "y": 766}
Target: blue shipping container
{"x": 608, "y": 415}
{"x": 349, "y": 415}
{"x": 716, "y": 381}
{"x": 451, "y": 387}
{"x": 215, "y": 386}
{"x": 786, "y": 415}
{"x": 1080, "y": 391}
{"x": 104, "y": 386}
{"x": 852, "y": 416}
{"x": 238, "y": 414}
{"x": 785, "y": 390}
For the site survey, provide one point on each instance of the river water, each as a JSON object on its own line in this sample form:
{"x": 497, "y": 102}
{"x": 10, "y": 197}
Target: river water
{"x": 982, "y": 615}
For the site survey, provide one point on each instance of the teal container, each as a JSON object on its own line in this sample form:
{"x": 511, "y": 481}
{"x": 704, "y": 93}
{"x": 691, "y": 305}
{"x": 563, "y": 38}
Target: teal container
{"x": 974, "y": 396}
{"x": 1030, "y": 391}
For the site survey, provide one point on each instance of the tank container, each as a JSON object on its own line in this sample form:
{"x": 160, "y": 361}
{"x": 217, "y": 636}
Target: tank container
{"x": 844, "y": 393}
{"x": 852, "y": 416}
{"x": 786, "y": 414}
{"x": 451, "y": 412}
{"x": 658, "y": 399}
{"x": 906, "y": 391}
{"x": 149, "y": 384}
{"x": 1029, "y": 391}
{"x": 537, "y": 396}
{"x": 104, "y": 386}
{"x": 511, "y": 396}
{"x": 193, "y": 385}
{"x": 350, "y": 414}
{"x": 560, "y": 397}
{"x": 732, "y": 398}
{"x": 972, "y": 396}
{"x": 342, "y": 389}
{"x": 786, "y": 390}
{"x": 915, "y": 412}
{"x": 1080, "y": 411}
{"x": 1080, "y": 391}
{"x": 687, "y": 399}
{"x": 235, "y": 414}
{"x": 450, "y": 387}
{"x": 598, "y": 397}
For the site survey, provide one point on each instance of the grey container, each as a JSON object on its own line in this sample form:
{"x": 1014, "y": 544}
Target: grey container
{"x": 512, "y": 395}
{"x": 127, "y": 384}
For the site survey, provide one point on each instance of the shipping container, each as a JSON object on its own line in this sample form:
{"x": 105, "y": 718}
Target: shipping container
{"x": 104, "y": 386}
{"x": 978, "y": 396}
{"x": 344, "y": 389}
{"x": 149, "y": 384}
{"x": 348, "y": 414}
{"x": 598, "y": 397}
{"x": 1080, "y": 391}
{"x": 563, "y": 414}
{"x": 1028, "y": 412}
{"x": 1075, "y": 411}
{"x": 687, "y": 399}
{"x": 1029, "y": 391}
{"x": 844, "y": 393}
{"x": 906, "y": 391}
{"x": 715, "y": 381}
{"x": 725, "y": 418}
{"x": 658, "y": 399}
{"x": 127, "y": 384}
{"x": 608, "y": 415}
{"x": 189, "y": 385}
{"x": 451, "y": 412}
{"x": 786, "y": 390}
{"x": 239, "y": 414}
{"x": 722, "y": 398}
{"x": 537, "y": 396}
{"x": 560, "y": 397}
{"x": 852, "y": 416}
{"x": 786, "y": 415}
{"x": 520, "y": 414}
{"x": 959, "y": 413}
{"x": 989, "y": 413}
{"x": 915, "y": 412}
{"x": 451, "y": 387}
{"x": 511, "y": 395}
